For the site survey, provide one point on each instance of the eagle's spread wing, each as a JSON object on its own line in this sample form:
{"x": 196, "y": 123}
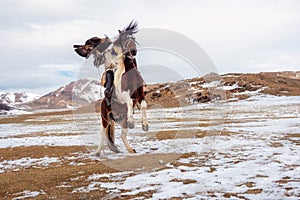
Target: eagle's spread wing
{"x": 84, "y": 50}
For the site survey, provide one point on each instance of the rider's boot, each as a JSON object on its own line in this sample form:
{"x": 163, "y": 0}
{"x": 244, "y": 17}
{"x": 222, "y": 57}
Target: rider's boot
{"x": 109, "y": 84}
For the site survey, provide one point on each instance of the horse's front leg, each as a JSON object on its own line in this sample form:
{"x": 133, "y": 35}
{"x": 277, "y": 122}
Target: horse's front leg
{"x": 130, "y": 114}
{"x": 101, "y": 142}
{"x": 124, "y": 138}
{"x": 145, "y": 125}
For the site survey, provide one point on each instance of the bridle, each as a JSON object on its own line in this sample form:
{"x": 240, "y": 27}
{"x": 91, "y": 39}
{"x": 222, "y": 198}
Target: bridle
{"x": 127, "y": 44}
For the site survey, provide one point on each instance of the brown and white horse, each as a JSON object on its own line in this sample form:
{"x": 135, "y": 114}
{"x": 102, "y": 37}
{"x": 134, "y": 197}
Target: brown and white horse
{"x": 128, "y": 91}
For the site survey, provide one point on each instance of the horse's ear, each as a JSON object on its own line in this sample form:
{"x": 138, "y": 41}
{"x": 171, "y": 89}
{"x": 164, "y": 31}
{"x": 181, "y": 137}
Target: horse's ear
{"x": 120, "y": 31}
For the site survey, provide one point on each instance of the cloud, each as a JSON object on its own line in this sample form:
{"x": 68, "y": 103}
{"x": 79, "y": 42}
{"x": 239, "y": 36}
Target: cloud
{"x": 273, "y": 60}
{"x": 33, "y": 78}
{"x": 244, "y": 36}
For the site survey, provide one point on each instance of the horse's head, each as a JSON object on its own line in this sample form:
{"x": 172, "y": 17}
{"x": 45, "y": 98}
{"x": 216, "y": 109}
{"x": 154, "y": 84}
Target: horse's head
{"x": 127, "y": 41}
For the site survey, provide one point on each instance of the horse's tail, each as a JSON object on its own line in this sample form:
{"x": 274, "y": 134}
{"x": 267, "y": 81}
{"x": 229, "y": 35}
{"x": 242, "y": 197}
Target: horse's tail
{"x": 110, "y": 135}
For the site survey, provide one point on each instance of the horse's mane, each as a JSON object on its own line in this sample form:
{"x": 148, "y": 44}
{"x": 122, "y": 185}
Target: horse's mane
{"x": 131, "y": 28}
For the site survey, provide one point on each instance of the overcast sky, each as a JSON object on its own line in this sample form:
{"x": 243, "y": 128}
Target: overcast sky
{"x": 239, "y": 36}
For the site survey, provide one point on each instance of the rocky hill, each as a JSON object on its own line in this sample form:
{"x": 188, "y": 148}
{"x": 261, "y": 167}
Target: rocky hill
{"x": 229, "y": 86}
{"x": 274, "y": 83}
{"x": 286, "y": 74}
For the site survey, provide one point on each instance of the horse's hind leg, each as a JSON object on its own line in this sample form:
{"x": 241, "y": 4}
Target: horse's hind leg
{"x": 145, "y": 125}
{"x": 101, "y": 141}
{"x": 130, "y": 114}
{"x": 124, "y": 138}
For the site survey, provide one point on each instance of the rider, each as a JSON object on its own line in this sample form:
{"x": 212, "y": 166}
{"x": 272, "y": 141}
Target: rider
{"x": 97, "y": 46}
{"x": 110, "y": 58}
{"x": 109, "y": 64}
{"x": 108, "y": 76}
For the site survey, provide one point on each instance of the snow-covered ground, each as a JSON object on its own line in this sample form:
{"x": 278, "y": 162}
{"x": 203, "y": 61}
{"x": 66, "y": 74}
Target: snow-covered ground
{"x": 250, "y": 149}
{"x": 260, "y": 159}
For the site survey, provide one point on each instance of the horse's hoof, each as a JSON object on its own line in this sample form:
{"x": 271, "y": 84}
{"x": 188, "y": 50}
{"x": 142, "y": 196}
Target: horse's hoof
{"x": 145, "y": 127}
{"x": 98, "y": 154}
{"x": 130, "y": 125}
{"x": 133, "y": 151}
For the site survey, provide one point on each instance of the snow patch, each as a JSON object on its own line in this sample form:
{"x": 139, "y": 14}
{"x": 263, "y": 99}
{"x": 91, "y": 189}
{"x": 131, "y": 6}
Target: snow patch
{"x": 211, "y": 84}
{"x": 228, "y": 87}
{"x": 26, "y": 162}
{"x": 28, "y": 194}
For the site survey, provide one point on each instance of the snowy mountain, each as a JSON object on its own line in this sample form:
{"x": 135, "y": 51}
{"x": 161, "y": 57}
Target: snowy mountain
{"x": 76, "y": 93}
{"x": 13, "y": 98}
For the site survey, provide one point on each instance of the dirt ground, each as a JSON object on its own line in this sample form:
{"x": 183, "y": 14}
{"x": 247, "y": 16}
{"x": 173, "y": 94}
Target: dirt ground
{"x": 51, "y": 179}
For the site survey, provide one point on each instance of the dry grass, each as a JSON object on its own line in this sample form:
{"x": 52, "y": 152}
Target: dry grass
{"x": 59, "y": 179}
{"x": 39, "y": 152}
{"x": 25, "y": 117}
{"x": 143, "y": 162}
{"x": 48, "y": 180}
{"x": 184, "y": 181}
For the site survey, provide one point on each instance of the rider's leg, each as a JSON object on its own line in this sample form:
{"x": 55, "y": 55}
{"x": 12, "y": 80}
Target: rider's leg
{"x": 109, "y": 84}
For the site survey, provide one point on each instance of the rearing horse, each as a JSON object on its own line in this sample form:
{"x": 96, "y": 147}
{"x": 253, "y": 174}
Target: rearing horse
{"x": 128, "y": 90}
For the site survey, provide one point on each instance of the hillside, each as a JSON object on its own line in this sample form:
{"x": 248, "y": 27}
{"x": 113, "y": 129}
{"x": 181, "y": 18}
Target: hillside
{"x": 228, "y": 86}
{"x": 211, "y": 87}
